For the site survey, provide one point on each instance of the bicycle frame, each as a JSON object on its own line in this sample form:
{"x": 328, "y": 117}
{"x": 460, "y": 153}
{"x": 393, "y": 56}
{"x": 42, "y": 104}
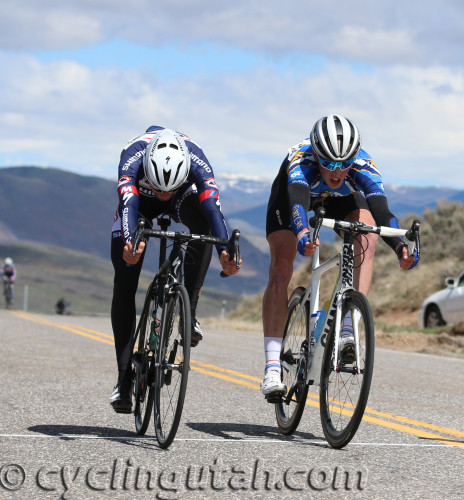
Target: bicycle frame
{"x": 345, "y": 260}
{"x": 170, "y": 269}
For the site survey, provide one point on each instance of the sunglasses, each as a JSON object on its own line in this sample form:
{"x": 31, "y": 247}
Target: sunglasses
{"x": 332, "y": 165}
{"x": 163, "y": 192}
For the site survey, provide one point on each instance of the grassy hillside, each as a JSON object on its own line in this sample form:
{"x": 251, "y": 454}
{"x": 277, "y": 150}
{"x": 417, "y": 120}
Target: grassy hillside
{"x": 76, "y": 212}
{"x": 86, "y": 281}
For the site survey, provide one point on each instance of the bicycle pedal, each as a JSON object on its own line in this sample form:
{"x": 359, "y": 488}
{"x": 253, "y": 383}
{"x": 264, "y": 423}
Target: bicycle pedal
{"x": 274, "y": 398}
{"x": 125, "y": 411}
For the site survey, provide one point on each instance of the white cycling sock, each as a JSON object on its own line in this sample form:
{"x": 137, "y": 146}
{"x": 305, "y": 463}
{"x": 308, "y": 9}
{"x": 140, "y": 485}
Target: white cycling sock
{"x": 347, "y": 326}
{"x": 272, "y": 346}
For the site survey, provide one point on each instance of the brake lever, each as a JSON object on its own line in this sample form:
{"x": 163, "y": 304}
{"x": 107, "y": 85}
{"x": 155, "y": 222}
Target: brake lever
{"x": 316, "y": 223}
{"x": 234, "y": 250}
{"x": 413, "y": 238}
{"x": 137, "y": 235}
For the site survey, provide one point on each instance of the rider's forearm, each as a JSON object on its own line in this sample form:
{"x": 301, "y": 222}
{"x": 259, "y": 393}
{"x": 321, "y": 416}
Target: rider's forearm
{"x": 384, "y": 217}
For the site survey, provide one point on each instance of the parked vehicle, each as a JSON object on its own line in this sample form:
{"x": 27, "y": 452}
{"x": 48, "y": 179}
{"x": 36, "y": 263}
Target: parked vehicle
{"x": 445, "y": 307}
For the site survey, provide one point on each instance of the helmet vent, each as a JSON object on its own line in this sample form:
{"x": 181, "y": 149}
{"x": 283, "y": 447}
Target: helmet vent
{"x": 155, "y": 170}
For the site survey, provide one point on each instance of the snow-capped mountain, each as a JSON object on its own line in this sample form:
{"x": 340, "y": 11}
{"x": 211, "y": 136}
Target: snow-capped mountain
{"x": 241, "y": 192}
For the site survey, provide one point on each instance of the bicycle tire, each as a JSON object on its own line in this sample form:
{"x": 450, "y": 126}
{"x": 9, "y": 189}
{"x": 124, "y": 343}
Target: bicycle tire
{"x": 144, "y": 371}
{"x": 172, "y": 364}
{"x": 8, "y": 294}
{"x": 343, "y": 394}
{"x": 294, "y": 360}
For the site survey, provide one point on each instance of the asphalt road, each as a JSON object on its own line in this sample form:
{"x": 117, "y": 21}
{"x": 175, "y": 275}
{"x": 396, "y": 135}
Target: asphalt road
{"x": 59, "y": 438}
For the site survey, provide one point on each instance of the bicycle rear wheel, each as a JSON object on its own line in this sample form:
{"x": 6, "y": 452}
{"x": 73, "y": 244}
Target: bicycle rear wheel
{"x": 144, "y": 369}
{"x": 294, "y": 359}
{"x": 172, "y": 365}
{"x": 344, "y": 390}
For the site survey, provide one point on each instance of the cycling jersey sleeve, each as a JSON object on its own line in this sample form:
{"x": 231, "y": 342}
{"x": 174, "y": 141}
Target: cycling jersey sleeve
{"x": 378, "y": 206}
{"x": 299, "y": 200}
{"x": 129, "y": 167}
{"x": 201, "y": 173}
{"x": 298, "y": 190}
{"x": 128, "y": 206}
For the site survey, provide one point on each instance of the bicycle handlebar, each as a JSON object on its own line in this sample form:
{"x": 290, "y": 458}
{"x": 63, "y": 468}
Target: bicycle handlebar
{"x": 318, "y": 221}
{"x": 232, "y": 244}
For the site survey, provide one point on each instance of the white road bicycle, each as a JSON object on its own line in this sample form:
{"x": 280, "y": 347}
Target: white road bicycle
{"x": 344, "y": 379}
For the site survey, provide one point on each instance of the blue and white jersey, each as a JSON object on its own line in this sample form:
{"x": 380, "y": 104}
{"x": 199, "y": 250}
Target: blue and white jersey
{"x": 362, "y": 177}
{"x": 302, "y": 170}
{"x": 133, "y": 185}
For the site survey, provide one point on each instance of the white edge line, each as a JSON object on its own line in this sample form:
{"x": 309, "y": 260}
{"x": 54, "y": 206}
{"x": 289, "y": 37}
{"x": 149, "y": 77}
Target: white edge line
{"x": 222, "y": 440}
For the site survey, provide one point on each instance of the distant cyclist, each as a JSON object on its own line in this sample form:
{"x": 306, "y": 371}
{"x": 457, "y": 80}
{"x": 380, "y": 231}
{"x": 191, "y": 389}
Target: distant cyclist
{"x": 328, "y": 169}
{"x": 8, "y": 272}
{"x": 61, "y": 306}
{"x": 160, "y": 172}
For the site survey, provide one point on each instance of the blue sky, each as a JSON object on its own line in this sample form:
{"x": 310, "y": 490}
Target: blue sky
{"x": 246, "y": 81}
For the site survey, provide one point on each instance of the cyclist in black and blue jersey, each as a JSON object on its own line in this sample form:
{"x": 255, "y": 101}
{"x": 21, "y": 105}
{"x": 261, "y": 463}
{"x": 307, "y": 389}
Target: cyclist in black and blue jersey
{"x": 327, "y": 169}
{"x": 160, "y": 172}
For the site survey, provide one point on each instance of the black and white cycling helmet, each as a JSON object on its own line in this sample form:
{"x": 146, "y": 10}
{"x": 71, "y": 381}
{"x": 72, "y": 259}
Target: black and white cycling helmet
{"x": 167, "y": 161}
{"x": 8, "y": 261}
{"x": 335, "y": 138}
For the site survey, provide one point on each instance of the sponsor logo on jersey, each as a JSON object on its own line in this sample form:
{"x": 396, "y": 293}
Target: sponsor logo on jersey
{"x": 296, "y": 216}
{"x": 211, "y": 182}
{"x": 125, "y": 224}
{"x": 133, "y": 159}
{"x": 127, "y": 192}
{"x": 294, "y": 149}
{"x": 200, "y": 162}
{"x": 123, "y": 180}
{"x": 209, "y": 193}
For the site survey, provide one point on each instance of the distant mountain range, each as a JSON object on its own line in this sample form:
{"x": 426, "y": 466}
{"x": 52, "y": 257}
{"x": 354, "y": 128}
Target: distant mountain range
{"x": 65, "y": 209}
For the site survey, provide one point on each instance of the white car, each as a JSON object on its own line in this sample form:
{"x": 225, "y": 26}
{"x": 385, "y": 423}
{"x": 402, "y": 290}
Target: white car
{"x": 445, "y": 307}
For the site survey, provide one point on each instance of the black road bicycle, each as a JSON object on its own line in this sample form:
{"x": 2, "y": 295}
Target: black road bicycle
{"x": 162, "y": 338}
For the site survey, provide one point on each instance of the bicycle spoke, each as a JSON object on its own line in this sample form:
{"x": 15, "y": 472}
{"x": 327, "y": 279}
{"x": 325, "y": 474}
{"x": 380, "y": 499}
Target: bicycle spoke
{"x": 143, "y": 368}
{"x": 172, "y": 367}
{"x": 345, "y": 388}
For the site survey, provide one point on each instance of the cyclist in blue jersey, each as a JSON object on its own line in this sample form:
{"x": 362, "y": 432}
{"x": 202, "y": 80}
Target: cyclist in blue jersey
{"x": 327, "y": 169}
{"x": 160, "y": 172}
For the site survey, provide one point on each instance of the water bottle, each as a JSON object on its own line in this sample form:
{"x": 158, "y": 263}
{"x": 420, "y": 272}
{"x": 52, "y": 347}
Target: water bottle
{"x": 313, "y": 323}
{"x": 321, "y": 320}
{"x": 154, "y": 330}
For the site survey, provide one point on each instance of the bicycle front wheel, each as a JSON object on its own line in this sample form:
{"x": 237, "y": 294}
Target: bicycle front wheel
{"x": 8, "y": 296}
{"x": 142, "y": 361}
{"x": 294, "y": 359}
{"x": 172, "y": 364}
{"x": 345, "y": 388}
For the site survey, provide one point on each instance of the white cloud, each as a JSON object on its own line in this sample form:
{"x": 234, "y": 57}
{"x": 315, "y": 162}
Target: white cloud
{"x": 395, "y": 69}
{"x": 414, "y": 32}
{"x": 43, "y": 24}
{"x": 71, "y": 116}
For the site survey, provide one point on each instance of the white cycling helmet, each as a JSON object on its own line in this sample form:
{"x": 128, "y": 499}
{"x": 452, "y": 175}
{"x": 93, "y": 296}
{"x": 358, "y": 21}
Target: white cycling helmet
{"x": 167, "y": 161}
{"x": 8, "y": 261}
{"x": 335, "y": 138}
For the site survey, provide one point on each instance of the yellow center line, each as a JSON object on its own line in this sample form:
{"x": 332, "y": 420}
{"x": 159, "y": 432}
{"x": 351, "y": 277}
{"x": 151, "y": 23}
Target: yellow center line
{"x": 74, "y": 329}
{"x": 225, "y": 370}
{"x": 230, "y": 376}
